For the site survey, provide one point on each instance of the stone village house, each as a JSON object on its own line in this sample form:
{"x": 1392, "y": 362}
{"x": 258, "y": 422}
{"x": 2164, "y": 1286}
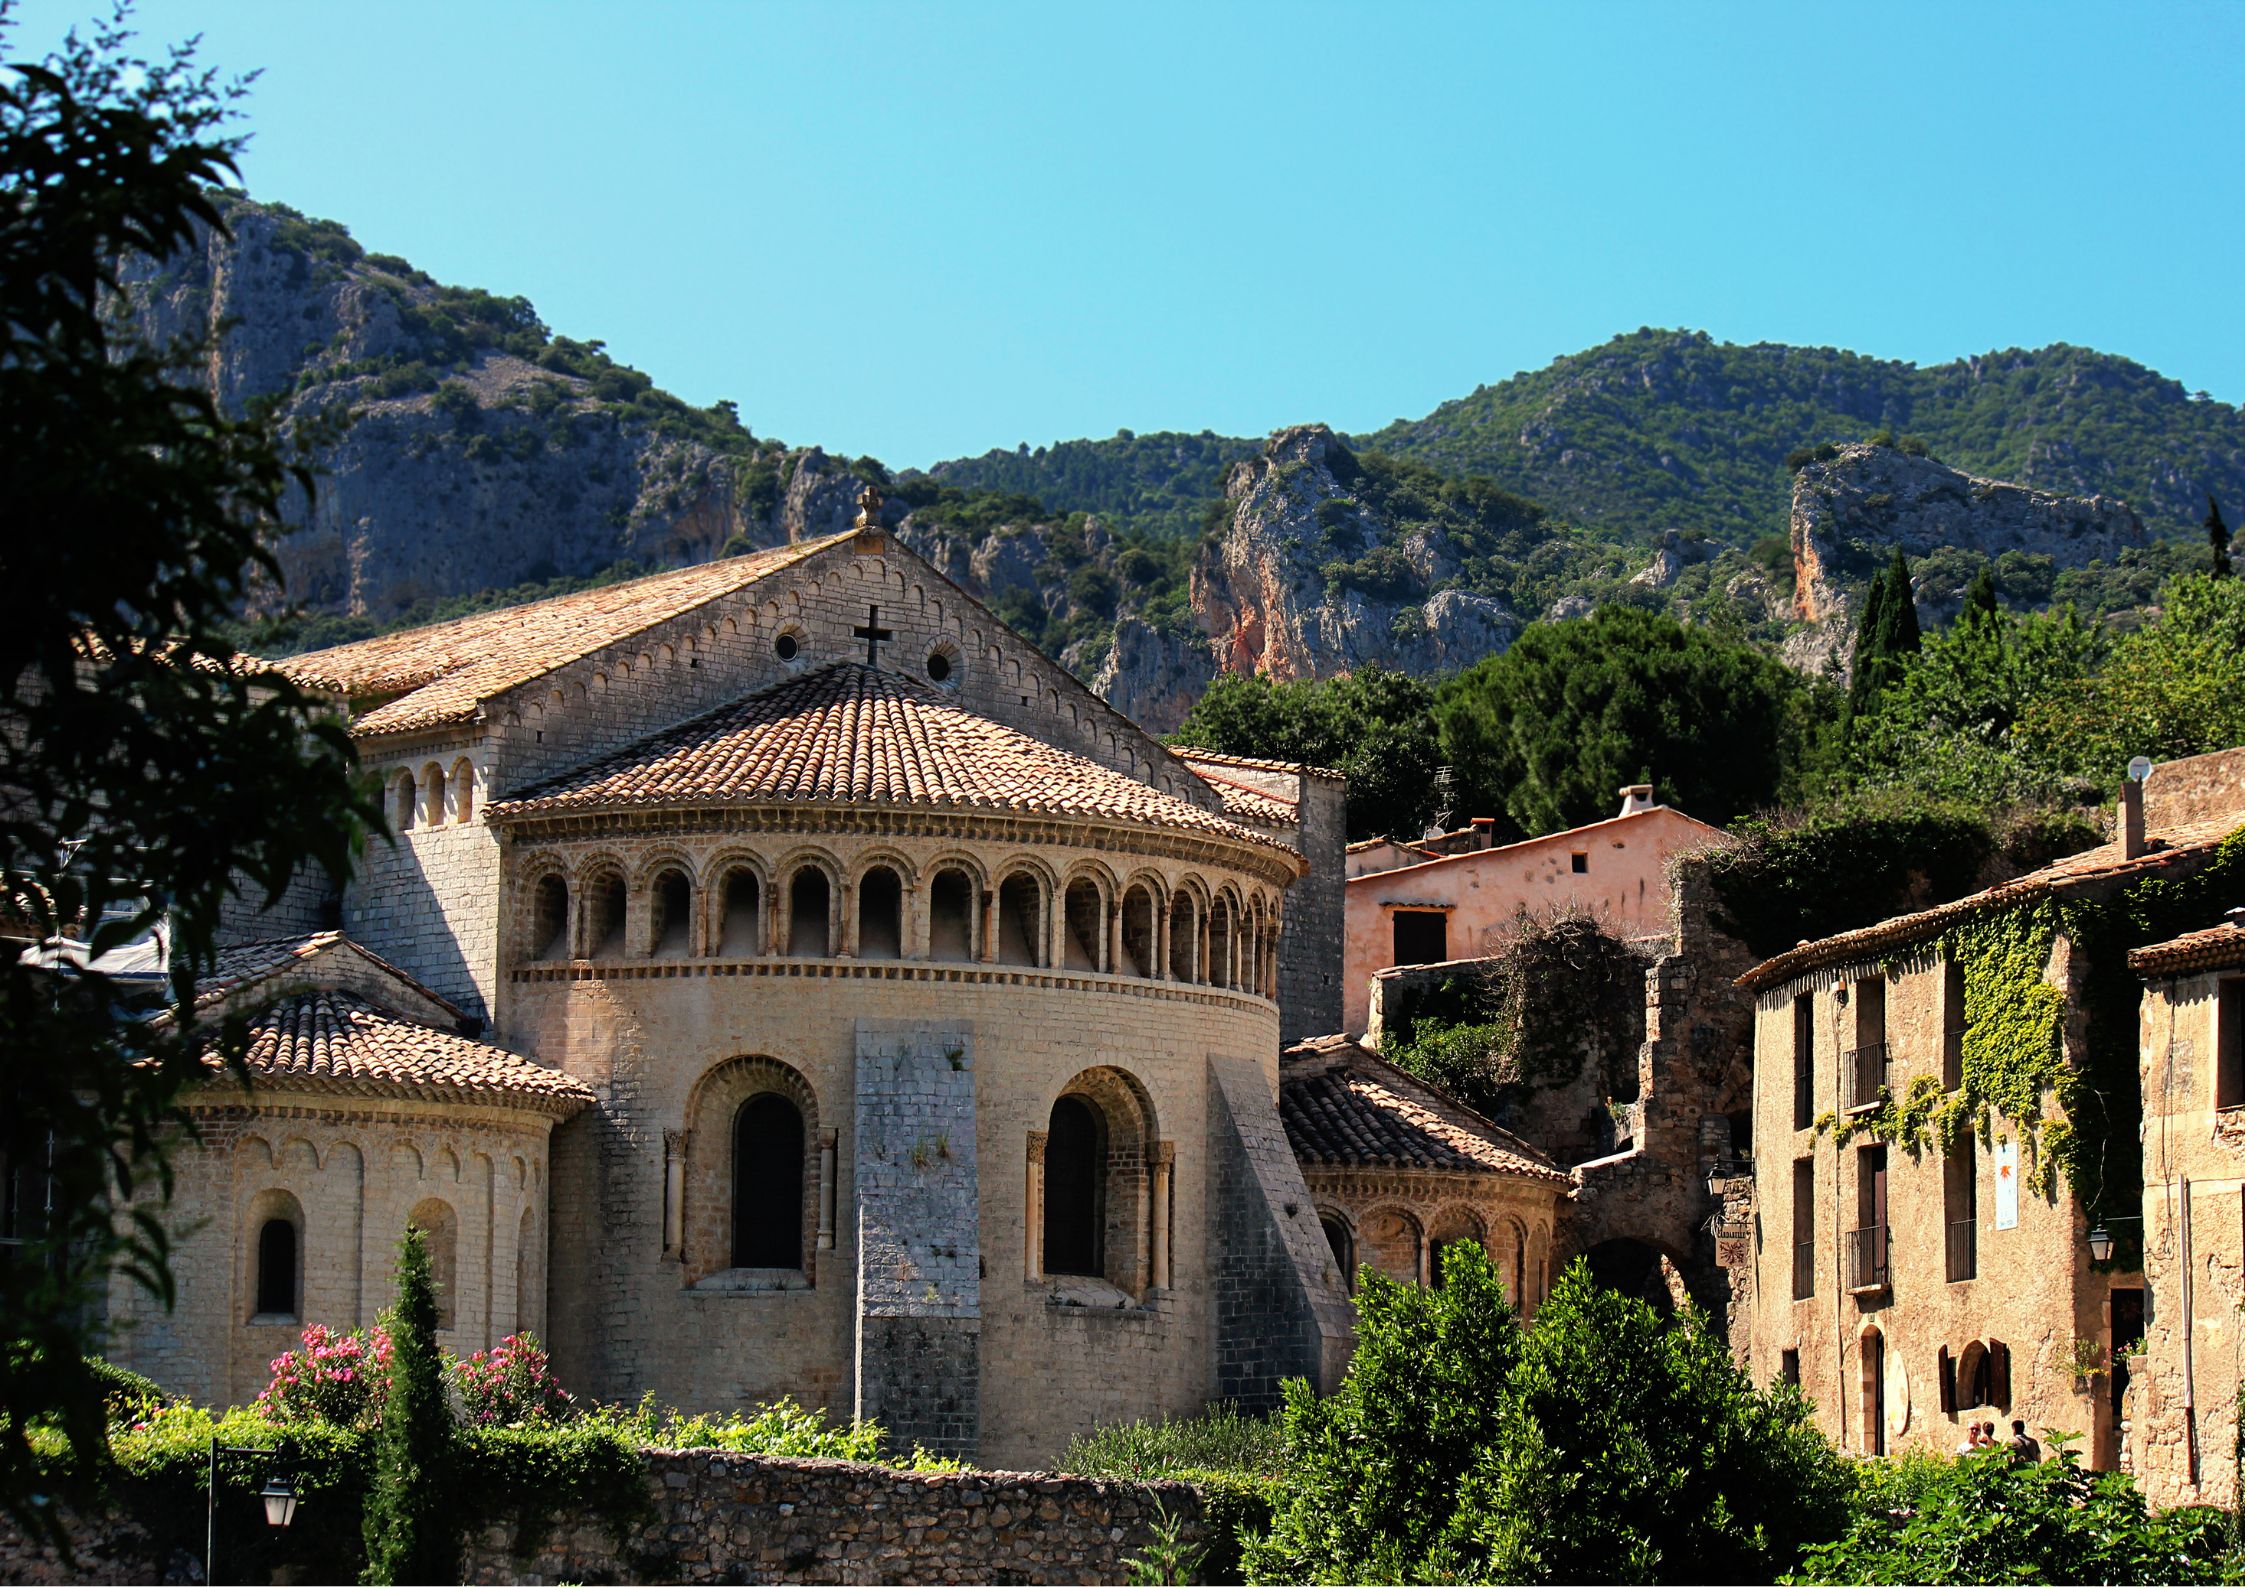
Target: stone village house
{"x": 787, "y": 981}
{"x": 1910, "y": 1292}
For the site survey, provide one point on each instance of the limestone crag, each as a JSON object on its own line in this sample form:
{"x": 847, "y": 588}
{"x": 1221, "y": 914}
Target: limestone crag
{"x": 1850, "y": 509}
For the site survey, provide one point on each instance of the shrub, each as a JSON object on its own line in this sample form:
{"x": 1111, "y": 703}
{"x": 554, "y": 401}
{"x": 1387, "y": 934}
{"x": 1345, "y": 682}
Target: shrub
{"x": 1236, "y": 1462}
{"x": 510, "y": 1383}
{"x": 339, "y": 1379}
{"x": 411, "y": 1526}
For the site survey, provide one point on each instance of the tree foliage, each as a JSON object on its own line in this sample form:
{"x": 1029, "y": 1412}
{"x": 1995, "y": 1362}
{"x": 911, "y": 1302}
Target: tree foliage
{"x": 1550, "y": 729}
{"x": 1886, "y": 637}
{"x": 412, "y": 1523}
{"x": 148, "y": 773}
{"x": 1600, "y": 1445}
{"x": 1375, "y": 726}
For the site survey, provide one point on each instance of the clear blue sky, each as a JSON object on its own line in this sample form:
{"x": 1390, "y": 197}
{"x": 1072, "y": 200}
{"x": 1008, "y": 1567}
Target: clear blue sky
{"x": 921, "y": 230}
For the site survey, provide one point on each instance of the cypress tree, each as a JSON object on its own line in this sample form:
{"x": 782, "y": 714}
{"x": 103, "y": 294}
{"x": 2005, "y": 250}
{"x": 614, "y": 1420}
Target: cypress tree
{"x": 2217, "y": 537}
{"x": 1889, "y": 632}
{"x": 1980, "y": 595}
{"x": 410, "y": 1536}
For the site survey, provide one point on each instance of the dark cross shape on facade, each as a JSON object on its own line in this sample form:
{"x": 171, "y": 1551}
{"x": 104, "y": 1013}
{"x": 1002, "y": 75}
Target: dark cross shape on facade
{"x": 873, "y": 633}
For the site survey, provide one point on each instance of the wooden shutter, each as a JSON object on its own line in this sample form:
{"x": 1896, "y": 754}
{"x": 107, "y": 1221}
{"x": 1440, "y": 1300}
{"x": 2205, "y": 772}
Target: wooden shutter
{"x": 1948, "y": 1374}
{"x": 1999, "y": 1373}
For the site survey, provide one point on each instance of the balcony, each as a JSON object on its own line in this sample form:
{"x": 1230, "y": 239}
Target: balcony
{"x": 1964, "y": 1249}
{"x": 1862, "y": 1076}
{"x": 1866, "y": 1260}
{"x": 1804, "y": 1270}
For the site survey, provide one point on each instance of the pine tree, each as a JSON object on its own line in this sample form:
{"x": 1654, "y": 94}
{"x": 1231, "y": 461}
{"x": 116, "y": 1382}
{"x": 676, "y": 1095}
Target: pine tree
{"x": 410, "y": 1535}
{"x": 2217, "y": 537}
{"x": 1980, "y": 595}
{"x": 1889, "y": 632}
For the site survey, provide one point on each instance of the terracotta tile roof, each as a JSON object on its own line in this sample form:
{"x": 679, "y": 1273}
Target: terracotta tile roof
{"x": 847, "y": 734}
{"x": 1250, "y": 804}
{"x": 326, "y": 1039}
{"x": 1209, "y": 757}
{"x": 2216, "y": 948}
{"x": 442, "y": 673}
{"x": 2178, "y": 848}
{"x": 1346, "y": 1107}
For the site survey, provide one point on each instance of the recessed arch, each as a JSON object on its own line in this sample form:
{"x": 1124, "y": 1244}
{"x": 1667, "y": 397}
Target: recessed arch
{"x": 440, "y": 1230}
{"x": 1141, "y": 930}
{"x": 670, "y": 913}
{"x": 1391, "y": 1241}
{"x": 739, "y": 1199}
{"x": 952, "y": 913}
{"x": 549, "y": 916}
{"x": 810, "y": 910}
{"x": 1094, "y": 1168}
{"x": 1023, "y": 897}
{"x": 880, "y": 912}
{"x": 1454, "y": 1225}
{"x": 1340, "y": 1239}
{"x": 276, "y": 1257}
{"x": 606, "y": 908}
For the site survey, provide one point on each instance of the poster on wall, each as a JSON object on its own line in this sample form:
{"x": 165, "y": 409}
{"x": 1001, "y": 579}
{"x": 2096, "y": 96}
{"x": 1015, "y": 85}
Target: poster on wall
{"x": 2007, "y": 1184}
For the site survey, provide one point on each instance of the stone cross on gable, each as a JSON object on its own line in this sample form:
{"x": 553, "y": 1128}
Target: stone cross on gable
{"x": 873, "y": 633}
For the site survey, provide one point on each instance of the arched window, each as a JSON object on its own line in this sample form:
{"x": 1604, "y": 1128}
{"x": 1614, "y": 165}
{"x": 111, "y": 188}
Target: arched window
{"x": 1454, "y": 1226}
{"x": 277, "y": 1268}
{"x": 880, "y": 914}
{"x": 1975, "y": 1380}
{"x": 807, "y": 896}
{"x": 1389, "y": 1244}
{"x": 768, "y": 1183}
{"x": 404, "y": 795}
{"x": 1184, "y": 928}
{"x": 604, "y": 916}
{"x": 742, "y": 932}
{"x": 1519, "y": 1269}
{"x": 463, "y": 790}
{"x": 1220, "y": 943}
{"x": 1138, "y": 934}
{"x": 549, "y": 924}
{"x": 1021, "y": 920}
{"x": 951, "y": 916}
{"x": 1343, "y": 1245}
{"x": 1084, "y": 941}
{"x": 1075, "y": 1182}
{"x": 672, "y": 923}
{"x": 432, "y": 793}
{"x": 441, "y": 1230}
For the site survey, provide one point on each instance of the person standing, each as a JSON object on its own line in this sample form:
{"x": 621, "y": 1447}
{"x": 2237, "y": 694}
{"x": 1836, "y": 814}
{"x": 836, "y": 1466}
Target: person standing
{"x": 2024, "y": 1447}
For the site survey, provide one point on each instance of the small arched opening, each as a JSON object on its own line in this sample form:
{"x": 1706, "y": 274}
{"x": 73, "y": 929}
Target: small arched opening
{"x": 1220, "y": 943}
{"x": 432, "y": 793}
{"x": 549, "y": 919}
{"x": 463, "y": 790}
{"x": 808, "y": 909}
{"x": 404, "y": 796}
{"x": 1390, "y": 1243}
{"x": 604, "y": 915}
{"x": 1183, "y": 939}
{"x": 528, "y": 1313}
{"x": 1084, "y": 913}
{"x": 671, "y": 922}
{"x": 741, "y": 931}
{"x": 1138, "y": 942}
{"x": 880, "y": 914}
{"x": 1021, "y": 920}
{"x": 1454, "y": 1226}
{"x": 1075, "y": 1185}
{"x": 951, "y": 916}
{"x": 768, "y": 1183}
{"x": 277, "y": 1280}
{"x": 1342, "y": 1243}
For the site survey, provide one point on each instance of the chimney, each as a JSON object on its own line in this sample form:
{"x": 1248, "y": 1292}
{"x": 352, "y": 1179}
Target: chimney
{"x": 1637, "y": 798}
{"x": 1484, "y": 832}
{"x": 2131, "y": 816}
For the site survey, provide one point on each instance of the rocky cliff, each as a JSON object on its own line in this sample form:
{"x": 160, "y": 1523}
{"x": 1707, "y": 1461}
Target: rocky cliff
{"x": 1849, "y": 510}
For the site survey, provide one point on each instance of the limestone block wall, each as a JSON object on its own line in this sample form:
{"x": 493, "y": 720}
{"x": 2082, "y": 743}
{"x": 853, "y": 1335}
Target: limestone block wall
{"x": 428, "y": 899}
{"x": 1309, "y": 945}
{"x": 2031, "y": 1288}
{"x": 2182, "y": 1398}
{"x": 350, "y": 1176}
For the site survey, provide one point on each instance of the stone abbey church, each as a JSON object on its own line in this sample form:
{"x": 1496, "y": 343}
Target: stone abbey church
{"x": 785, "y": 980}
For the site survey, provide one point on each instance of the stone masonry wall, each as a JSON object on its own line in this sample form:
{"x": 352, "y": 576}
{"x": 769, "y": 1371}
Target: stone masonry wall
{"x": 722, "y": 1517}
{"x": 919, "y": 1285}
{"x": 1309, "y": 943}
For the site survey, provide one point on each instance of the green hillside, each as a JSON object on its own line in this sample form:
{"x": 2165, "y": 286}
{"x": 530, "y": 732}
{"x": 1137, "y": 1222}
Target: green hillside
{"x": 1160, "y": 483}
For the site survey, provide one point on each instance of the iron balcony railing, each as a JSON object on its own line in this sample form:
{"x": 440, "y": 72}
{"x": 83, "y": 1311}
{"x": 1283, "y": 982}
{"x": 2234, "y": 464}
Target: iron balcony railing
{"x": 1964, "y": 1249}
{"x": 1862, "y": 1075}
{"x": 1866, "y": 1258}
{"x": 1804, "y": 1269}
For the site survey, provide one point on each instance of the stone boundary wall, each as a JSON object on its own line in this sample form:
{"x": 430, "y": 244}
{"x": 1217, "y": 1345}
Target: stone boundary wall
{"x": 723, "y": 1517}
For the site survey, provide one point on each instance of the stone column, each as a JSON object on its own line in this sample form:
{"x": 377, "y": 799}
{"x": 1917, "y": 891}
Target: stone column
{"x": 1426, "y": 1261}
{"x": 1033, "y": 1210}
{"x": 914, "y": 922}
{"x": 1165, "y": 1157}
{"x": 987, "y": 949}
{"x": 1113, "y": 945}
{"x": 826, "y": 1153}
{"x": 674, "y": 1195}
{"x": 1160, "y": 965}
{"x": 840, "y": 919}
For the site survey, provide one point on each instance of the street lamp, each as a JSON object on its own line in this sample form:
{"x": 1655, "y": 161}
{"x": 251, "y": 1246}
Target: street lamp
{"x": 278, "y": 1493}
{"x": 2100, "y": 1244}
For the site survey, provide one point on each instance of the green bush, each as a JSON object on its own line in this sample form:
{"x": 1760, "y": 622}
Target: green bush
{"x": 1235, "y": 1460}
{"x": 1988, "y": 1518}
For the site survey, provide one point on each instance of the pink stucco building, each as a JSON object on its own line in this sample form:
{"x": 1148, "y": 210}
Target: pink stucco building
{"x": 1459, "y": 906}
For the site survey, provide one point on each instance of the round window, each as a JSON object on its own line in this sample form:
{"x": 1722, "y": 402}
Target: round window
{"x": 939, "y": 666}
{"x": 785, "y": 647}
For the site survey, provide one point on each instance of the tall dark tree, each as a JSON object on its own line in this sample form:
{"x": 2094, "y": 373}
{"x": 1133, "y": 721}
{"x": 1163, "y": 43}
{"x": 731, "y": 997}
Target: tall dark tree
{"x": 1979, "y": 595}
{"x": 410, "y": 1520}
{"x": 2217, "y": 538}
{"x": 147, "y": 771}
{"x": 1887, "y": 634}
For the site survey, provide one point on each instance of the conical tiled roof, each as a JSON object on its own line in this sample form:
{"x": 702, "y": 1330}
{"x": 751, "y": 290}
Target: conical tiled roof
{"x": 849, "y": 734}
{"x": 1346, "y": 1107}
